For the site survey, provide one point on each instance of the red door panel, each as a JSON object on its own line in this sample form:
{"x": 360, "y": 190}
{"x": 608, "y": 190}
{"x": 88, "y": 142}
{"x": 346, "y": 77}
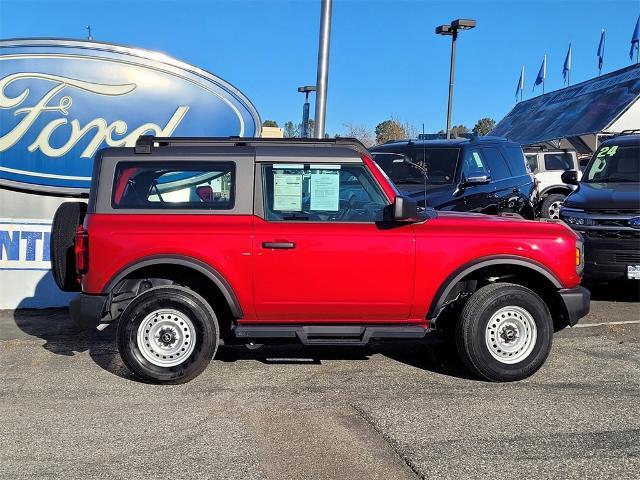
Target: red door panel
{"x": 328, "y": 272}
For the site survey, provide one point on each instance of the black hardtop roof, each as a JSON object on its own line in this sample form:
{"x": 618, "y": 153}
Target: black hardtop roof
{"x": 452, "y": 143}
{"x": 145, "y": 143}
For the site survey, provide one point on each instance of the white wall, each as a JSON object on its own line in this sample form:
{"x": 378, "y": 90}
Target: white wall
{"x": 25, "y": 276}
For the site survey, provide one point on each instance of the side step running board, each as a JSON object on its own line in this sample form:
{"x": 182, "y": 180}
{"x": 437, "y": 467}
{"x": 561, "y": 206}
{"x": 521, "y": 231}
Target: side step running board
{"x": 330, "y": 334}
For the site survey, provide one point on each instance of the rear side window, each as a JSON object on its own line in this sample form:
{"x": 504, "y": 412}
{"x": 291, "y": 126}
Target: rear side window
{"x": 497, "y": 164}
{"x": 558, "y": 161}
{"x": 517, "y": 163}
{"x": 532, "y": 163}
{"x": 174, "y": 185}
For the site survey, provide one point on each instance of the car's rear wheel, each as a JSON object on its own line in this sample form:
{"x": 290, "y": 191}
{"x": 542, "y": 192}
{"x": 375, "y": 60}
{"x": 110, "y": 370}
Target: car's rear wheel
{"x": 504, "y": 332}
{"x": 168, "y": 334}
{"x": 63, "y": 229}
{"x": 551, "y": 205}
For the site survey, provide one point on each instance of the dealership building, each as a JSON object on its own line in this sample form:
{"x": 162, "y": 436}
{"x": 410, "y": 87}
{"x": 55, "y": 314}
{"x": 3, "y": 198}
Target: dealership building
{"x": 61, "y": 101}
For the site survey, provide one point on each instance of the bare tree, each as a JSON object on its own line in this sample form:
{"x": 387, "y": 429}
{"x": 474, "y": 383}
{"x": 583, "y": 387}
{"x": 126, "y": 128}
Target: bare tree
{"x": 361, "y": 132}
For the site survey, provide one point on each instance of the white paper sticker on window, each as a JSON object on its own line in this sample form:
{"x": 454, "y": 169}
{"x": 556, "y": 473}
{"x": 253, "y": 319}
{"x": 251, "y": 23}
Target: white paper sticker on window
{"x": 287, "y": 195}
{"x": 325, "y": 191}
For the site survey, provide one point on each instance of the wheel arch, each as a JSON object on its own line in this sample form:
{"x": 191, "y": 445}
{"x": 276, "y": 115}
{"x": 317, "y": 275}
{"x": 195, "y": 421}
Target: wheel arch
{"x": 448, "y": 289}
{"x": 555, "y": 189}
{"x": 184, "y": 262}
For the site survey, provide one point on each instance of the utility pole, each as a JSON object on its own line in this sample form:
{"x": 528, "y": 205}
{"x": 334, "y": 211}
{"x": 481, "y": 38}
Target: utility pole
{"x": 88, "y": 28}
{"x": 323, "y": 67}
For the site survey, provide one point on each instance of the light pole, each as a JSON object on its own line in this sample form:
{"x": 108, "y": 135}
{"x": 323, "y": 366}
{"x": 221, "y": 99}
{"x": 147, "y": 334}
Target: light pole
{"x": 323, "y": 67}
{"x": 459, "y": 24}
{"x": 305, "y": 109}
{"x": 88, "y": 29}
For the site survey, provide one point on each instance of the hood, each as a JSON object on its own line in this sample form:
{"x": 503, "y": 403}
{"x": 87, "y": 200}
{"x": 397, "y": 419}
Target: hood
{"x": 605, "y": 196}
{"x": 437, "y": 195}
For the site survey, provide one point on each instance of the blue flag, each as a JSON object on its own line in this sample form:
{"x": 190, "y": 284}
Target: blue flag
{"x": 601, "y": 50}
{"x": 635, "y": 39}
{"x": 542, "y": 73}
{"x": 567, "y": 64}
{"x": 520, "y": 83}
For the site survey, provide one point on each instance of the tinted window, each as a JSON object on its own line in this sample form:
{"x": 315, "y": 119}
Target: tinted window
{"x": 517, "y": 163}
{"x": 474, "y": 165}
{"x": 313, "y": 192}
{"x": 440, "y": 164}
{"x": 558, "y": 161}
{"x": 532, "y": 163}
{"x": 614, "y": 163}
{"x": 497, "y": 165}
{"x": 171, "y": 185}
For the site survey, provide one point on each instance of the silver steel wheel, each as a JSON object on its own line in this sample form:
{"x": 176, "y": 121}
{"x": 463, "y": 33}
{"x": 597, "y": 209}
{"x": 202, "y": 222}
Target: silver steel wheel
{"x": 166, "y": 337}
{"x": 554, "y": 209}
{"x": 511, "y": 334}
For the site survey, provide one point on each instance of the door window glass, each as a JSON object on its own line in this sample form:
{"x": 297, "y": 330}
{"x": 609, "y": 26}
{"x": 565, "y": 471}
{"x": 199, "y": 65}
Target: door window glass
{"x": 558, "y": 161}
{"x": 474, "y": 165}
{"x": 321, "y": 193}
{"x": 497, "y": 165}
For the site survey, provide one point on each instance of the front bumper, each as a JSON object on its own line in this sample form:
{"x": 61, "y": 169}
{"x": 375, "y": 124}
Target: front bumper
{"x": 87, "y": 311}
{"x": 608, "y": 258}
{"x": 576, "y": 303}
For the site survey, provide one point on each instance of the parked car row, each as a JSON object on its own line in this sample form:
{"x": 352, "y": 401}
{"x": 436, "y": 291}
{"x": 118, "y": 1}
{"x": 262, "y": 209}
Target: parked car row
{"x": 490, "y": 175}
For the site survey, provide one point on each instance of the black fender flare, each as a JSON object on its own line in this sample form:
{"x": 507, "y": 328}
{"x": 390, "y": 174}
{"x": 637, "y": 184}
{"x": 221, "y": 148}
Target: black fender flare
{"x": 184, "y": 261}
{"x": 441, "y": 295}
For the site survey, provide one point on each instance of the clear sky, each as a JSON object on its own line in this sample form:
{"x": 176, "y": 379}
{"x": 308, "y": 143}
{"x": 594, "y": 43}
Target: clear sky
{"x": 385, "y": 58}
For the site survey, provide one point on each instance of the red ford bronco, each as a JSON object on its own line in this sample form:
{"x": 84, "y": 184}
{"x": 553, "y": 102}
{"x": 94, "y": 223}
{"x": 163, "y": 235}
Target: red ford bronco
{"x": 188, "y": 243}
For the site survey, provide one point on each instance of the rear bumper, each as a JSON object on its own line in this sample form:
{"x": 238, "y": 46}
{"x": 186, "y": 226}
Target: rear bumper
{"x": 86, "y": 311}
{"x": 576, "y": 303}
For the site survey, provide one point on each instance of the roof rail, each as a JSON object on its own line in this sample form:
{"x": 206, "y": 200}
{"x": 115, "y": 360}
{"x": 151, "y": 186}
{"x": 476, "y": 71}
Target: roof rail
{"x": 146, "y": 143}
{"x": 635, "y": 131}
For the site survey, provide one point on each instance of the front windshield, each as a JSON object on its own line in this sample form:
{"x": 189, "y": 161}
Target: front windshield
{"x": 440, "y": 165}
{"x": 614, "y": 164}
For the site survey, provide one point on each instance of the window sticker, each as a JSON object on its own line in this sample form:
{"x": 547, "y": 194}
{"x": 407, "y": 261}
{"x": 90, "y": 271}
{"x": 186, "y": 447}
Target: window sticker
{"x": 325, "y": 191}
{"x": 607, "y": 151}
{"x": 216, "y": 185}
{"x": 287, "y": 194}
{"x": 325, "y": 167}
{"x": 478, "y": 160}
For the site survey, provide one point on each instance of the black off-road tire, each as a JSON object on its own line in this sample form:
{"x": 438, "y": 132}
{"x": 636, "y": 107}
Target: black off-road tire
{"x": 471, "y": 332}
{"x": 545, "y": 208}
{"x": 150, "y": 305}
{"x": 63, "y": 261}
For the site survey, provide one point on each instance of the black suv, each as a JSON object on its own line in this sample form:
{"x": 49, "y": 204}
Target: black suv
{"x": 484, "y": 174}
{"x": 605, "y": 209}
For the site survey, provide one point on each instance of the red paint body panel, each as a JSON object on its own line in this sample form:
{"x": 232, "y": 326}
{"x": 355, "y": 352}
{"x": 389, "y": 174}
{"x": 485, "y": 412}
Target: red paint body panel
{"x": 221, "y": 241}
{"x": 336, "y": 271}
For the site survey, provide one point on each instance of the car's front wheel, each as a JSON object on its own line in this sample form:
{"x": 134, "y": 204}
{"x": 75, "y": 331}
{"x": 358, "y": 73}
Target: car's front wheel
{"x": 168, "y": 334}
{"x": 504, "y": 332}
{"x": 551, "y": 206}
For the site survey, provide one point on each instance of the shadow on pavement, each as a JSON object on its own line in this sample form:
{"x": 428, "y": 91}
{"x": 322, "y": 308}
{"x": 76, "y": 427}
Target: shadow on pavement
{"x": 62, "y": 337}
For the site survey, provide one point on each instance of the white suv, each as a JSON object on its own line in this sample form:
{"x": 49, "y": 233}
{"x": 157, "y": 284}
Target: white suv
{"x": 547, "y": 167}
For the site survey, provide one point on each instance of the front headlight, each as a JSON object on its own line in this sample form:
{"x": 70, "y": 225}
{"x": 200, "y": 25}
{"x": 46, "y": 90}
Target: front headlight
{"x": 575, "y": 217}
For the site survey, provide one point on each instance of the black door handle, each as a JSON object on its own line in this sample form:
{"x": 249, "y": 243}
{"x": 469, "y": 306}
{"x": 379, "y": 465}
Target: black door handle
{"x": 279, "y": 245}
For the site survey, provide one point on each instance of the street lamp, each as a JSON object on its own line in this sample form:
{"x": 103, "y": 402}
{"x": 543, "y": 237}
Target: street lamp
{"x": 459, "y": 24}
{"x": 305, "y": 108}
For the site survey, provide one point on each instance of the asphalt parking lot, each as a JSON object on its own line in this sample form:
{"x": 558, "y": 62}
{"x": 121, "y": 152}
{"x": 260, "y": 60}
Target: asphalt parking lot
{"x": 70, "y": 409}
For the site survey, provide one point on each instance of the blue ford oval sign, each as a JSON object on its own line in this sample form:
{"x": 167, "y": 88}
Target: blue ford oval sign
{"x": 634, "y": 222}
{"x": 62, "y": 100}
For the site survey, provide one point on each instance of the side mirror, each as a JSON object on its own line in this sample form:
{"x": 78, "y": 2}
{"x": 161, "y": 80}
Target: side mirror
{"x": 479, "y": 180}
{"x": 570, "y": 177}
{"x": 403, "y": 209}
